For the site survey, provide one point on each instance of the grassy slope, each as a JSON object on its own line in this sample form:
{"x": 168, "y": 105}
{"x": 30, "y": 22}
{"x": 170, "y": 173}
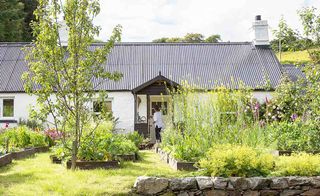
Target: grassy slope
{"x": 299, "y": 57}
{"x": 38, "y": 176}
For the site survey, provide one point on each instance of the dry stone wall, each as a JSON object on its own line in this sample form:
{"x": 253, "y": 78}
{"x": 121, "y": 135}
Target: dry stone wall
{"x": 233, "y": 186}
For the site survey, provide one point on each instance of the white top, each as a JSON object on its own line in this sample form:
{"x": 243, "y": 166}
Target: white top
{"x": 157, "y": 118}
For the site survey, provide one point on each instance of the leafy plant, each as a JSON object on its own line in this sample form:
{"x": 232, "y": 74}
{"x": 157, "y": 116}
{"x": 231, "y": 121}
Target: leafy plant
{"x": 119, "y": 145}
{"x": 234, "y": 160}
{"x": 135, "y": 137}
{"x": 301, "y": 164}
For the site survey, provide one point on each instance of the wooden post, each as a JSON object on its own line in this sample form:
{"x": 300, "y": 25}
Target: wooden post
{"x": 148, "y": 114}
{"x": 135, "y": 108}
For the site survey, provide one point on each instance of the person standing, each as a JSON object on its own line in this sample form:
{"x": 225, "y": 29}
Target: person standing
{"x": 158, "y": 123}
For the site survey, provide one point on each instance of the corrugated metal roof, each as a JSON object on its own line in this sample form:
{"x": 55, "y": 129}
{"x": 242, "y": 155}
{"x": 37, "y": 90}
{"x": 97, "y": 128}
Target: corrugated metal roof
{"x": 293, "y": 72}
{"x": 205, "y": 65}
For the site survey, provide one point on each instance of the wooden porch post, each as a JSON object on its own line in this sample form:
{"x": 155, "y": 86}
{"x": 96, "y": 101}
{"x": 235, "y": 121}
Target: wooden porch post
{"x": 135, "y": 108}
{"x": 148, "y": 114}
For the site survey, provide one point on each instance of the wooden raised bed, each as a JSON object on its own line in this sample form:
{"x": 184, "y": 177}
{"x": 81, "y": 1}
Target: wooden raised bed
{"x": 55, "y": 159}
{"x": 5, "y": 159}
{"x": 94, "y": 164}
{"x": 23, "y": 153}
{"x": 176, "y": 165}
{"x": 127, "y": 157}
{"x": 41, "y": 149}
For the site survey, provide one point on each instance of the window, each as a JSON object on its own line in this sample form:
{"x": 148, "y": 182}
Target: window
{"x": 7, "y": 107}
{"x": 99, "y": 106}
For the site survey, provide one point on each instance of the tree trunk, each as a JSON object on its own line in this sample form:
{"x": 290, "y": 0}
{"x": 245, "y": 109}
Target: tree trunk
{"x": 74, "y": 155}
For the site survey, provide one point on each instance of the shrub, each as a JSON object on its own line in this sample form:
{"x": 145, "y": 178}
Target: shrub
{"x": 119, "y": 145}
{"x": 301, "y": 164}
{"x": 297, "y": 135}
{"x": 233, "y": 160}
{"x": 135, "y": 137}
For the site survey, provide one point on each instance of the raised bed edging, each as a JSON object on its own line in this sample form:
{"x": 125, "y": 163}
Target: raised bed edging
{"x": 86, "y": 165}
{"x": 177, "y": 165}
{"x": 202, "y": 185}
{"x": 5, "y": 159}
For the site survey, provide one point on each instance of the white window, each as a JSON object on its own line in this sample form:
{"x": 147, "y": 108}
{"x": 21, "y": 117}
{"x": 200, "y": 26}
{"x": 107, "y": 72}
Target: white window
{"x": 7, "y": 107}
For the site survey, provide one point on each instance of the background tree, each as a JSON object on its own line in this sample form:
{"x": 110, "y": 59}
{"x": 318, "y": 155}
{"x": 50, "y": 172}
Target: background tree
{"x": 289, "y": 38}
{"x": 213, "y": 38}
{"x": 29, "y": 7}
{"x": 64, "y": 83}
{"x": 190, "y": 38}
{"x": 11, "y": 20}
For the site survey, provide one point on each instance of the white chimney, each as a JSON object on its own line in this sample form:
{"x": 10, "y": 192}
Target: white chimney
{"x": 260, "y": 32}
{"x": 63, "y": 33}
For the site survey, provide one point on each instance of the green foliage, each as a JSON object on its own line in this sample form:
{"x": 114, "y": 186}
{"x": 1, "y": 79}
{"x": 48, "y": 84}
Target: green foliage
{"x": 290, "y": 39}
{"x": 119, "y": 145}
{"x": 204, "y": 119}
{"x": 232, "y": 160}
{"x": 288, "y": 100}
{"x": 67, "y": 82}
{"x": 301, "y": 164}
{"x": 21, "y": 137}
{"x": 135, "y": 137}
{"x": 190, "y": 38}
{"x": 11, "y": 23}
{"x": 32, "y": 124}
{"x": 296, "y": 136}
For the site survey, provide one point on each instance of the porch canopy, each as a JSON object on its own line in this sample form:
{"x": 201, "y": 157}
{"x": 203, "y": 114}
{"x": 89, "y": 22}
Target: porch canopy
{"x": 157, "y": 86}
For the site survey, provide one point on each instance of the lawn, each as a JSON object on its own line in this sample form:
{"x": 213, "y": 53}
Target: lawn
{"x": 298, "y": 57}
{"x": 38, "y": 176}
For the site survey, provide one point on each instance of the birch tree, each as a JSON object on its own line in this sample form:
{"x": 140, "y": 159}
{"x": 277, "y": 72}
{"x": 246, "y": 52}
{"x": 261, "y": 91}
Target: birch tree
{"x": 66, "y": 78}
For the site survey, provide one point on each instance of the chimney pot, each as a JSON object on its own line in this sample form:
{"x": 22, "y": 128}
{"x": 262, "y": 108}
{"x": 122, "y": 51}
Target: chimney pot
{"x": 258, "y": 17}
{"x": 260, "y": 32}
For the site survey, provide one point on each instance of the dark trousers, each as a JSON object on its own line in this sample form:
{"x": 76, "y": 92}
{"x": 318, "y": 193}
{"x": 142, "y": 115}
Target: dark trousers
{"x": 158, "y": 135}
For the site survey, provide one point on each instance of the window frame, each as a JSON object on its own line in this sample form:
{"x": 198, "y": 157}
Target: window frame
{"x": 106, "y": 100}
{"x": 2, "y": 108}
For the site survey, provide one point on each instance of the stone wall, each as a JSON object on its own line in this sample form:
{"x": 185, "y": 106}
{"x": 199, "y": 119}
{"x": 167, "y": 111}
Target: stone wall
{"x": 233, "y": 186}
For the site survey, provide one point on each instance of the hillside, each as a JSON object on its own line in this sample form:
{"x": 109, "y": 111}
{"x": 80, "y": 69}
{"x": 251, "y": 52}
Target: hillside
{"x": 298, "y": 57}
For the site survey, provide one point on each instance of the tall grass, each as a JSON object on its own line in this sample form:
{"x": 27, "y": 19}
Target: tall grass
{"x": 202, "y": 119}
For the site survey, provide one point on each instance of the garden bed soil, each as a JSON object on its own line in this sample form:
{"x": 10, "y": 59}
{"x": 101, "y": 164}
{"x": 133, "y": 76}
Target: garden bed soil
{"x": 289, "y": 152}
{"x": 5, "y": 159}
{"x": 55, "y": 159}
{"x": 176, "y": 165}
{"x": 86, "y": 165}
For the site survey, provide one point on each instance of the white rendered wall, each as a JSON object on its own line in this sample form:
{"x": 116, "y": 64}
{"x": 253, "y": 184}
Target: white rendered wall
{"x": 262, "y": 95}
{"x": 122, "y": 108}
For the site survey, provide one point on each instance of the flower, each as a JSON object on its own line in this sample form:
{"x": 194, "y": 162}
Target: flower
{"x": 294, "y": 117}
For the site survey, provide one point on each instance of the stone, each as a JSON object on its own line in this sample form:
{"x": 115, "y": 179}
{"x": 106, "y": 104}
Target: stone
{"x": 279, "y": 183}
{"x": 239, "y": 183}
{"x": 150, "y": 185}
{"x": 305, "y": 188}
{"x": 298, "y": 181}
{"x": 258, "y": 183}
{"x": 235, "y": 193}
{"x": 291, "y": 192}
{"x": 183, "y": 194}
{"x": 215, "y": 193}
{"x": 312, "y": 192}
{"x": 177, "y": 184}
{"x": 315, "y": 182}
{"x": 219, "y": 182}
{"x": 251, "y": 193}
{"x": 269, "y": 193}
{"x": 204, "y": 182}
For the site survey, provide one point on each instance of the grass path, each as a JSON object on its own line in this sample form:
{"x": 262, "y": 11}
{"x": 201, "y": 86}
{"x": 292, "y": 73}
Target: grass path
{"x": 38, "y": 176}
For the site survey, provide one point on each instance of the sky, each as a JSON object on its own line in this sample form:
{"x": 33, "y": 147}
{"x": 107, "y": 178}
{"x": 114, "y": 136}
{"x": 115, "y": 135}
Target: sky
{"x": 146, "y": 20}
